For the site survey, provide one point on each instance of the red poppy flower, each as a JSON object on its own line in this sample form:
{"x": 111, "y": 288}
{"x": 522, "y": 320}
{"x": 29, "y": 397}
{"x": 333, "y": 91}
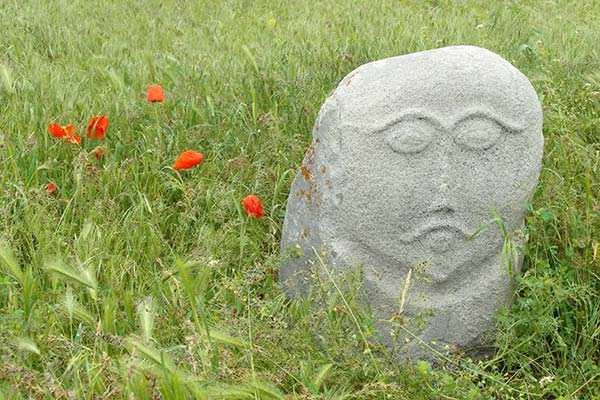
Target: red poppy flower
{"x": 50, "y": 188}
{"x": 155, "y": 94}
{"x": 253, "y": 206}
{"x": 98, "y": 152}
{"x": 188, "y": 159}
{"x": 98, "y": 125}
{"x": 66, "y": 133}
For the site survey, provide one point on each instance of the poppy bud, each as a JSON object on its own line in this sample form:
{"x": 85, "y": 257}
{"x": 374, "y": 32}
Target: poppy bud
{"x": 98, "y": 152}
{"x": 50, "y": 188}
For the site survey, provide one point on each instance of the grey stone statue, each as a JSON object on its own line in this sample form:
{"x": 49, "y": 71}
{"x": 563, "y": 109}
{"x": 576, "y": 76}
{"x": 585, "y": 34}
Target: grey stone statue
{"x": 411, "y": 156}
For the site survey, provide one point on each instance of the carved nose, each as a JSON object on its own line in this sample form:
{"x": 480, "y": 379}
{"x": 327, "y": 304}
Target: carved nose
{"x": 439, "y": 208}
{"x": 442, "y": 209}
{"x": 441, "y": 202}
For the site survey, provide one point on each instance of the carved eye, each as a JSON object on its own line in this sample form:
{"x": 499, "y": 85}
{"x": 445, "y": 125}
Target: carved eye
{"x": 410, "y": 135}
{"x": 478, "y": 133}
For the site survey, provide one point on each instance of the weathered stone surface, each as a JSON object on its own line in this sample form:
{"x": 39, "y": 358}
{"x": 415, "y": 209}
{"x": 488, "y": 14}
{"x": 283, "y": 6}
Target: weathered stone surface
{"x": 410, "y": 156}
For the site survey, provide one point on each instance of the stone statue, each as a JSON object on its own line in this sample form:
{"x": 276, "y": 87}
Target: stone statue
{"x": 411, "y": 156}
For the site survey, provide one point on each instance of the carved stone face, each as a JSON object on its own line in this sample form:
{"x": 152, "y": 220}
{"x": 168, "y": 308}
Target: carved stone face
{"x": 427, "y": 164}
{"x": 433, "y": 184}
{"x": 411, "y": 156}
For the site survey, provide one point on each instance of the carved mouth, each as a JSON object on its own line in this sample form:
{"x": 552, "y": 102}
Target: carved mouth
{"x": 440, "y": 236}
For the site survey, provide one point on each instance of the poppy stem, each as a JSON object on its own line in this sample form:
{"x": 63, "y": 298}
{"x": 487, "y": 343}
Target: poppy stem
{"x": 243, "y": 238}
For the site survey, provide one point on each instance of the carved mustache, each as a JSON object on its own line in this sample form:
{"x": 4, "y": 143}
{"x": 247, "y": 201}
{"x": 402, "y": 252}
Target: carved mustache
{"x": 424, "y": 230}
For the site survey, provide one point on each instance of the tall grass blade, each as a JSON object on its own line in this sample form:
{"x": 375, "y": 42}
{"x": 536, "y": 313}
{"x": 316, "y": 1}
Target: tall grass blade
{"x": 146, "y": 312}
{"x": 27, "y": 345}
{"x": 320, "y": 376}
{"x": 64, "y": 272}
{"x": 6, "y": 79}
{"x": 75, "y": 310}
{"x": 226, "y": 339}
{"x": 158, "y": 358}
{"x": 9, "y": 263}
{"x": 267, "y": 391}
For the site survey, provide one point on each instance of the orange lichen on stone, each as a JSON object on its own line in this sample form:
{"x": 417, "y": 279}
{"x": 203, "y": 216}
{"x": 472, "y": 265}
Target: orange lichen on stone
{"x": 310, "y": 155}
{"x": 306, "y": 173}
{"x": 311, "y": 196}
{"x": 305, "y": 233}
{"x": 352, "y": 76}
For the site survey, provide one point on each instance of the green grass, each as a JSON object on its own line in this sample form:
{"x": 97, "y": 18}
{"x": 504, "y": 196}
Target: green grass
{"x": 136, "y": 281}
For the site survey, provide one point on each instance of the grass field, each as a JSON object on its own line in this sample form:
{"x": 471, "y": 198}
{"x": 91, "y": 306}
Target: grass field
{"x": 134, "y": 280}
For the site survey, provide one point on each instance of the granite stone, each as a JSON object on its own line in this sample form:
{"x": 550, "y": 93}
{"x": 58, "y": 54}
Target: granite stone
{"x": 411, "y": 156}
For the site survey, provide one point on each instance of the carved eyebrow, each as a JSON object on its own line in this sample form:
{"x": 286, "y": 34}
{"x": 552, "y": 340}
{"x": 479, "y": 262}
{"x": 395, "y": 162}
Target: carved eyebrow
{"x": 489, "y": 115}
{"x": 414, "y": 113}
{"x": 410, "y": 114}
